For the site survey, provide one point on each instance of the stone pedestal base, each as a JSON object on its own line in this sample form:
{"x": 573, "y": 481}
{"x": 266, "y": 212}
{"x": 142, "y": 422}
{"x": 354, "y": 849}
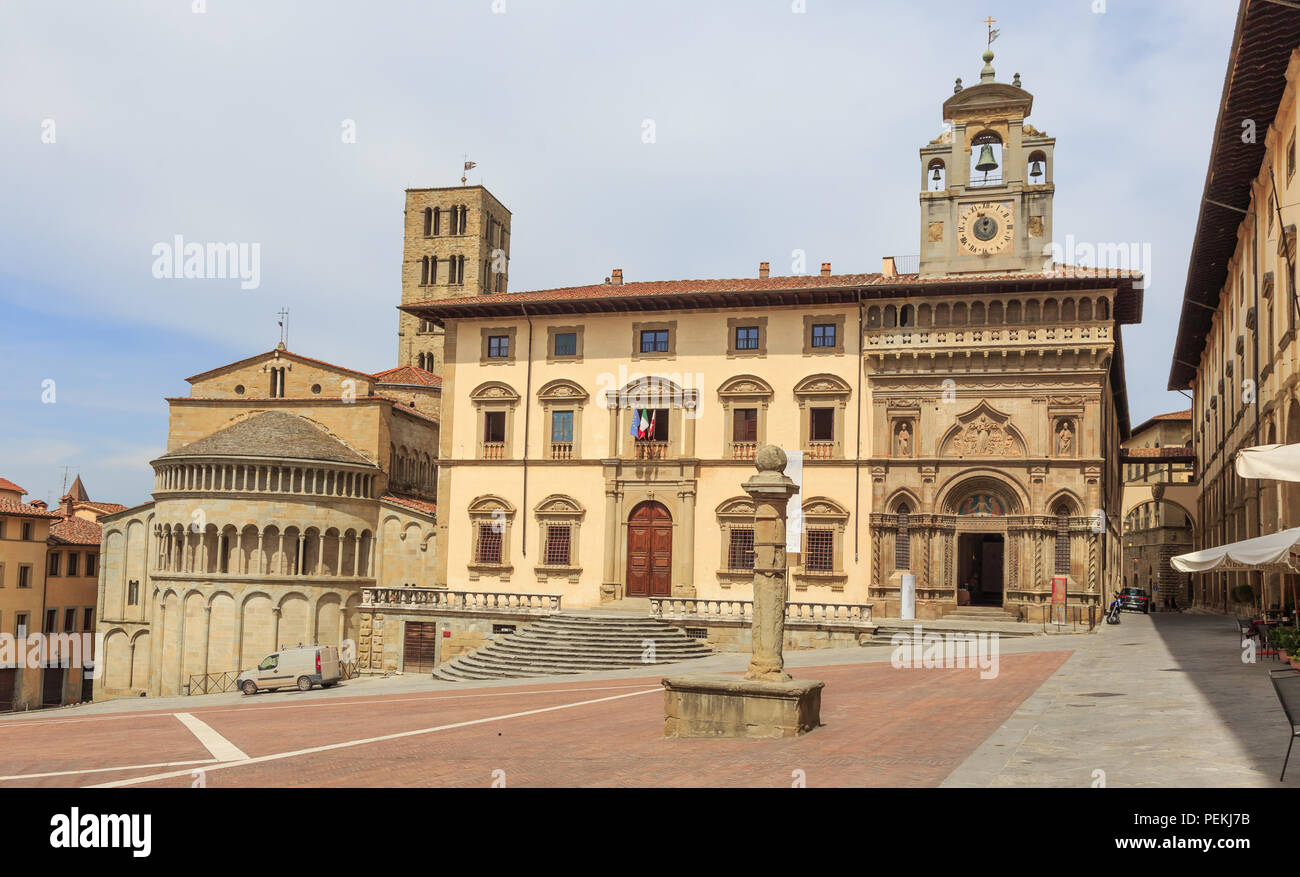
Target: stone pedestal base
{"x": 728, "y": 706}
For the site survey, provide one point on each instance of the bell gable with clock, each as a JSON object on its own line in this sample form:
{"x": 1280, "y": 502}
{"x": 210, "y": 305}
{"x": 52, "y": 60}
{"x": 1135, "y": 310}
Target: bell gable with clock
{"x": 986, "y": 199}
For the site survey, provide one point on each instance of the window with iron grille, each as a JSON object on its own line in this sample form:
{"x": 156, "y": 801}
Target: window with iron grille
{"x": 488, "y": 548}
{"x": 740, "y": 548}
{"x": 823, "y": 335}
{"x": 819, "y": 550}
{"x": 1062, "y": 566}
{"x": 654, "y": 341}
{"x": 902, "y": 542}
{"x": 558, "y": 542}
{"x": 747, "y": 338}
{"x": 498, "y": 346}
{"x": 566, "y": 344}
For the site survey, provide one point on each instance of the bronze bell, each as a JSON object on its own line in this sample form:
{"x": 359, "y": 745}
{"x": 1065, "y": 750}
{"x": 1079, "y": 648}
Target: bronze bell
{"x": 1036, "y": 169}
{"x": 936, "y": 175}
{"x": 986, "y": 162}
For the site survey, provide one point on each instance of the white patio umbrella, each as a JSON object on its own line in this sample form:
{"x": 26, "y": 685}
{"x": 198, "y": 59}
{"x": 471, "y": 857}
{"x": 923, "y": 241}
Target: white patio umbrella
{"x": 1276, "y": 551}
{"x": 1277, "y": 462}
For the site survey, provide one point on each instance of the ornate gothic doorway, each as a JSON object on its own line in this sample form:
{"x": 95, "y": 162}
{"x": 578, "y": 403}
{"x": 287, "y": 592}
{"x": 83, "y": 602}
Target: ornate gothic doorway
{"x": 649, "y": 551}
{"x": 980, "y": 567}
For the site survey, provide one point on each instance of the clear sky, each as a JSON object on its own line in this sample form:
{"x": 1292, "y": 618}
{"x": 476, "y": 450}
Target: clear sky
{"x": 775, "y": 130}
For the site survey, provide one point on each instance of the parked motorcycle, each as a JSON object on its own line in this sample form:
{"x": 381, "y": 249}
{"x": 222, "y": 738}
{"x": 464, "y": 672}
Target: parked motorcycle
{"x": 1112, "y": 614}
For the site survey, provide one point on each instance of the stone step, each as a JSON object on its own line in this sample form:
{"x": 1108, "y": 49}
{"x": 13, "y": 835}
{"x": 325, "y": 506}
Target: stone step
{"x": 568, "y": 644}
{"x": 545, "y": 647}
{"x": 886, "y": 628}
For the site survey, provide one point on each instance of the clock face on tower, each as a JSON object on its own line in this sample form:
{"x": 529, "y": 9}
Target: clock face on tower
{"x": 984, "y": 229}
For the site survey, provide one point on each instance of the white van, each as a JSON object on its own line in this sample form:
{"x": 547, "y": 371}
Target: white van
{"x": 303, "y": 666}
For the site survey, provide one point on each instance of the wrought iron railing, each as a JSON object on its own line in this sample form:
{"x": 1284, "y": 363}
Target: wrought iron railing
{"x": 212, "y": 683}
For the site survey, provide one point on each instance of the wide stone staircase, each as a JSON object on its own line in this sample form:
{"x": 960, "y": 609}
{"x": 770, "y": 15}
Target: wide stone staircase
{"x": 572, "y": 643}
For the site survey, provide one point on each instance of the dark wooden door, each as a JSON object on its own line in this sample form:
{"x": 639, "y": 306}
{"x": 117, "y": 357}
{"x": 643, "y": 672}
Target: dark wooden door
{"x": 52, "y": 686}
{"x": 8, "y": 681}
{"x": 649, "y": 551}
{"x": 420, "y": 647}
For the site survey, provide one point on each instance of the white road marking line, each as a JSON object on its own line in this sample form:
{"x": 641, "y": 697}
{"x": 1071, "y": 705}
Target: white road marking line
{"x": 350, "y": 743}
{"x": 64, "y": 773}
{"x": 221, "y": 748}
{"x": 359, "y": 700}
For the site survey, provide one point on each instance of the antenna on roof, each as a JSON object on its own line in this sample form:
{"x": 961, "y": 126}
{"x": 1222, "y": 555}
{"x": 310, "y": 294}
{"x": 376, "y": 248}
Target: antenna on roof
{"x": 284, "y": 328}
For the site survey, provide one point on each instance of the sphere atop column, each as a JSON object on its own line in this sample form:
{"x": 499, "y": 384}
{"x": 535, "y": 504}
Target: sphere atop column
{"x": 770, "y": 458}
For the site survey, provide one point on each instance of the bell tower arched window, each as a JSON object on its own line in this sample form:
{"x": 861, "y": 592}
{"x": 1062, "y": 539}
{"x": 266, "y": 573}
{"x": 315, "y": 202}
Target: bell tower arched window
{"x": 986, "y": 160}
{"x": 936, "y": 176}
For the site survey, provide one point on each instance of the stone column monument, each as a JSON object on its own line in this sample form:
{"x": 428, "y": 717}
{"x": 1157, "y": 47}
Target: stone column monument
{"x": 771, "y": 491}
{"x": 767, "y": 702}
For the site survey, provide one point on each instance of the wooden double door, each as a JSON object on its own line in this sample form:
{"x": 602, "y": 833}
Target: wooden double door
{"x": 420, "y": 647}
{"x": 650, "y": 551}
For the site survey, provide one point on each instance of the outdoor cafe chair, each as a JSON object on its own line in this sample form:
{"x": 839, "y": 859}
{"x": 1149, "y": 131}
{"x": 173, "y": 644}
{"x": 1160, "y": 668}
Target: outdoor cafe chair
{"x": 1287, "y": 685}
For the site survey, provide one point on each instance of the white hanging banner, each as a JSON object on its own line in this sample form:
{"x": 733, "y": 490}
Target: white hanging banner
{"x": 794, "y": 511}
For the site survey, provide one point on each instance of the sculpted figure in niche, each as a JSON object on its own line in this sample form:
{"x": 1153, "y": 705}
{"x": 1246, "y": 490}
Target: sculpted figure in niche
{"x": 1064, "y": 439}
{"x": 904, "y": 441}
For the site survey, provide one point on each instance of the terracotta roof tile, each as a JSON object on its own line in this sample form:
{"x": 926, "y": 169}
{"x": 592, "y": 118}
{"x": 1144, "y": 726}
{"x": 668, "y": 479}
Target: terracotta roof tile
{"x": 275, "y": 434}
{"x": 1157, "y": 453}
{"x": 107, "y": 508}
{"x": 8, "y": 507}
{"x": 192, "y": 378}
{"x": 413, "y": 503}
{"x": 75, "y": 531}
{"x": 770, "y": 284}
{"x": 6, "y": 484}
{"x": 408, "y": 375}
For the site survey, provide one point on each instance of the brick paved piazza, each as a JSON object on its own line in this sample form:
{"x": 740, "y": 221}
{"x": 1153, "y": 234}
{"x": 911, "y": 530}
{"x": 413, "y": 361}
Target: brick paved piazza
{"x": 1160, "y": 700}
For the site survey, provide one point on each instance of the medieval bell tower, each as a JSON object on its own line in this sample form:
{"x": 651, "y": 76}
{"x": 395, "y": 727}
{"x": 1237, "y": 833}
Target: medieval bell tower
{"x": 986, "y": 183}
